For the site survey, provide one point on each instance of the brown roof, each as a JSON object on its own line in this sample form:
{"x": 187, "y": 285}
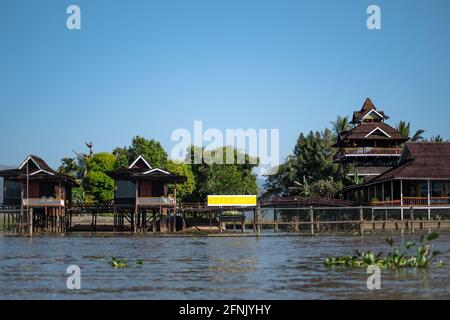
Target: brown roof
{"x": 366, "y": 108}
{"x": 421, "y": 160}
{"x": 370, "y": 170}
{"x": 142, "y": 170}
{"x": 37, "y": 169}
{"x": 361, "y": 132}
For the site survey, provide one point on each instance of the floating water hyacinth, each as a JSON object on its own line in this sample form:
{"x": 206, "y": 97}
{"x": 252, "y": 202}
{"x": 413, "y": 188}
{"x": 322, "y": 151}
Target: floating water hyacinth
{"x": 118, "y": 263}
{"x": 395, "y": 259}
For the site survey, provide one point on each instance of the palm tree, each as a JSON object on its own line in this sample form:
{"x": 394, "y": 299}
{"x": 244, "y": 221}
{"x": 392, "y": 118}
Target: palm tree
{"x": 404, "y": 128}
{"x": 341, "y": 124}
{"x": 437, "y": 138}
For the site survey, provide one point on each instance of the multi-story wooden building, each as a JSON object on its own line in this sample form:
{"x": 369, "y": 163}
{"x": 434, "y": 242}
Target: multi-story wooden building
{"x": 141, "y": 196}
{"x": 372, "y": 146}
{"x": 420, "y": 179}
{"x": 34, "y": 185}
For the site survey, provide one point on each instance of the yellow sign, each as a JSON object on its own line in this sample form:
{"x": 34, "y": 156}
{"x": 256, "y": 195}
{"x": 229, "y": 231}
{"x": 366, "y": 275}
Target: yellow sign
{"x": 232, "y": 200}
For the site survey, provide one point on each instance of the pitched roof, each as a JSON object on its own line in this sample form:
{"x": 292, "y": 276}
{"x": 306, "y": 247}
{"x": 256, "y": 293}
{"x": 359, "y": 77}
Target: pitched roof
{"x": 140, "y": 162}
{"x": 140, "y": 169}
{"x": 38, "y": 169}
{"x": 421, "y": 160}
{"x": 373, "y": 131}
{"x": 367, "y": 107}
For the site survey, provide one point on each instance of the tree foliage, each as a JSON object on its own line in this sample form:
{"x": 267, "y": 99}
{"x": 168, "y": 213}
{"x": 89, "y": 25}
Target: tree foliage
{"x": 215, "y": 178}
{"x": 340, "y": 125}
{"x": 96, "y": 183}
{"x": 183, "y": 190}
{"x": 151, "y": 150}
{"x": 310, "y": 171}
{"x": 405, "y": 130}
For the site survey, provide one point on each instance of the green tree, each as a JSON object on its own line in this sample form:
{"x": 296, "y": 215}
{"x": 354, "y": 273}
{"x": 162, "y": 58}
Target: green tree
{"x": 183, "y": 190}
{"x": 405, "y": 130}
{"x": 341, "y": 124}
{"x": 310, "y": 171}
{"x": 216, "y": 178}
{"x": 96, "y": 183}
{"x": 437, "y": 138}
{"x": 151, "y": 150}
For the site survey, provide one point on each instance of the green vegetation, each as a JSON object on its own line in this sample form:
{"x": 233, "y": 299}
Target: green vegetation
{"x": 340, "y": 125}
{"x": 96, "y": 183}
{"x": 182, "y": 169}
{"x": 151, "y": 150}
{"x": 310, "y": 171}
{"x": 423, "y": 257}
{"x": 405, "y": 130}
{"x": 118, "y": 263}
{"x": 215, "y": 178}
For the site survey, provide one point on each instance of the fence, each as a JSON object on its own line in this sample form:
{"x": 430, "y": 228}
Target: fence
{"x": 312, "y": 220}
{"x": 351, "y": 219}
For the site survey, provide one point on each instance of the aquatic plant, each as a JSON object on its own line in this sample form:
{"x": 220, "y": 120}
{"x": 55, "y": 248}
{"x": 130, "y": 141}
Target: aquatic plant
{"x": 118, "y": 263}
{"x": 395, "y": 259}
{"x": 139, "y": 262}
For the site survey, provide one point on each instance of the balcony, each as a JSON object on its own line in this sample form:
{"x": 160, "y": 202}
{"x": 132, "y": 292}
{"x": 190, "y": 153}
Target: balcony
{"x": 414, "y": 202}
{"x": 369, "y": 151}
{"x": 43, "y": 202}
{"x": 155, "y": 201}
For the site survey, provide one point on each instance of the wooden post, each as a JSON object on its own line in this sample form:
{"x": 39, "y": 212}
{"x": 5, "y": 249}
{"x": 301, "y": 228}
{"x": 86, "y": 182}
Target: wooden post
{"x": 275, "y": 217}
{"x": 429, "y": 200}
{"x": 136, "y": 208}
{"x": 210, "y": 222}
{"x": 254, "y": 220}
{"x": 361, "y": 219}
{"x": 392, "y": 190}
{"x": 115, "y": 219}
{"x": 184, "y": 221}
{"x": 401, "y": 198}
{"x": 21, "y": 212}
{"x": 412, "y": 219}
{"x": 311, "y": 219}
{"x": 243, "y": 221}
{"x": 175, "y": 210}
{"x": 30, "y": 222}
{"x": 258, "y": 219}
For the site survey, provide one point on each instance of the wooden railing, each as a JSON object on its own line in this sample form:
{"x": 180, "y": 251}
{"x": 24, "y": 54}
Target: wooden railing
{"x": 155, "y": 201}
{"x": 415, "y": 202}
{"x": 370, "y": 150}
{"x": 391, "y": 203}
{"x": 43, "y": 202}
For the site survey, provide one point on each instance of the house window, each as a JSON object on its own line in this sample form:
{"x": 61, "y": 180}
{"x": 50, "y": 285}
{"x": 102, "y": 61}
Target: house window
{"x": 436, "y": 189}
{"x": 125, "y": 189}
{"x": 424, "y": 189}
{"x": 448, "y": 188}
{"x": 13, "y": 190}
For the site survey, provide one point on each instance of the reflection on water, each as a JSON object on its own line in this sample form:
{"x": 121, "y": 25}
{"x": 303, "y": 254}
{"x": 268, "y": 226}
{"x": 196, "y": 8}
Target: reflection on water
{"x": 282, "y": 267}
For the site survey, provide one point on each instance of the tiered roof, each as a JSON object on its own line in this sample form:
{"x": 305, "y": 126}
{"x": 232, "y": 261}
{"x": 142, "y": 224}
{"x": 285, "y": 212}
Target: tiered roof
{"x": 419, "y": 161}
{"x": 35, "y": 168}
{"x": 140, "y": 169}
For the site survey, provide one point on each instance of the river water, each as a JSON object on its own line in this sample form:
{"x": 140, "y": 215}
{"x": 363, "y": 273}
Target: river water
{"x": 268, "y": 267}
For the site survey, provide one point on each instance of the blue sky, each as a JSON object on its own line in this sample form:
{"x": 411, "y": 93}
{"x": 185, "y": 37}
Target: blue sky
{"x": 149, "y": 67}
